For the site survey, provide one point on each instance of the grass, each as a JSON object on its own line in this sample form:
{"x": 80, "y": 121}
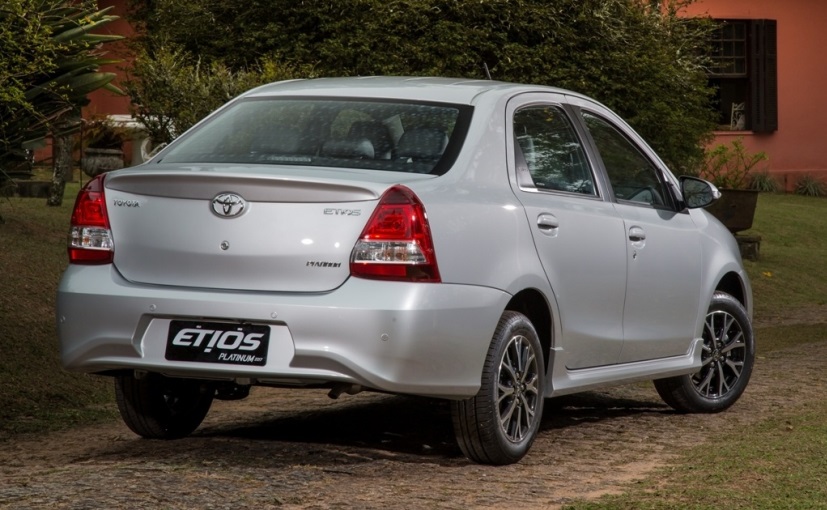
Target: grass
{"x": 35, "y": 392}
{"x": 791, "y": 273}
{"x": 780, "y": 463}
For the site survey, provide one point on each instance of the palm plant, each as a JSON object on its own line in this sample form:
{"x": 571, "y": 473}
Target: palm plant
{"x": 53, "y": 61}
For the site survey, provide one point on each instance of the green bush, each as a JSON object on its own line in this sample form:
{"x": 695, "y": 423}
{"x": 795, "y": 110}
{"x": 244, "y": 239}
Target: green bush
{"x": 810, "y": 186}
{"x": 731, "y": 165}
{"x": 763, "y": 181}
{"x": 641, "y": 60}
{"x": 171, "y": 90}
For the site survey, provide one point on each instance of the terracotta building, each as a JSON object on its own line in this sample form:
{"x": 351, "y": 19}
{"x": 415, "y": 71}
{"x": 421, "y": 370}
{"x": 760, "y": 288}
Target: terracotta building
{"x": 769, "y": 75}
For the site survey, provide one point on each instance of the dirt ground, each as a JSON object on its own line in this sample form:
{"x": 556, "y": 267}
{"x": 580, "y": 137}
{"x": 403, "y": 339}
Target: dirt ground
{"x": 302, "y": 450}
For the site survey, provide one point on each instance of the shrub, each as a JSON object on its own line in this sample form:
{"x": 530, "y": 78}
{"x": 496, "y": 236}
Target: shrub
{"x": 171, "y": 90}
{"x": 731, "y": 165}
{"x": 763, "y": 181}
{"x": 810, "y": 186}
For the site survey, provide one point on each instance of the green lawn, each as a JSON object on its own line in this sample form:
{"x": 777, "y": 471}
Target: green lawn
{"x": 791, "y": 272}
{"x": 779, "y": 463}
{"x": 35, "y": 392}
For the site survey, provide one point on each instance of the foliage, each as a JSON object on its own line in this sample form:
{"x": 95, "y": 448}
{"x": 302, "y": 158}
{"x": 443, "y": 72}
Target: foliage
{"x": 640, "y": 58}
{"x": 49, "y": 62}
{"x": 763, "y": 181}
{"x": 172, "y": 90}
{"x": 731, "y": 165}
{"x": 810, "y": 186}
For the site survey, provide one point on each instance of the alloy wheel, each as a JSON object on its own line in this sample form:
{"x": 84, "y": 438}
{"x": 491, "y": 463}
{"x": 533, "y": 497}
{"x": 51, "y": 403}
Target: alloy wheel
{"x": 724, "y": 352}
{"x": 517, "y": 391}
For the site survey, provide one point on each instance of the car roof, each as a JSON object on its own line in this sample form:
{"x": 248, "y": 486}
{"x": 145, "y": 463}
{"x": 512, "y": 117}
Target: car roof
{"x": 451, "y": 90}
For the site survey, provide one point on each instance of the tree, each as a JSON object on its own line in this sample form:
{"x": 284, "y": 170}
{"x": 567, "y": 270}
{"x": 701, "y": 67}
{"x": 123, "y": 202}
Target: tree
{"x": 171, "y": 90}
{"x": 49, "y": 63}
{"x": 638, "y": 57}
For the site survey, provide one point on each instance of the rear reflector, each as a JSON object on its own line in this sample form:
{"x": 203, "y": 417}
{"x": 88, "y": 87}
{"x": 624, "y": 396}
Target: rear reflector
{"x": 90, "y": 237}
{"x": 396, "y": 243}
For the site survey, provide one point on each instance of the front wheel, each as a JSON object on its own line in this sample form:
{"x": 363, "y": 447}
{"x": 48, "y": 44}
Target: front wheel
{"x": 158, "y": 407}
{"x": 498, "y": 425}
{"x": 726, "y": 361}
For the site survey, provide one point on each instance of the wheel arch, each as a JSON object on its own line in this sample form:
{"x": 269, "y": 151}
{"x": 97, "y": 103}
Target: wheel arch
{"x": 533, "y": 304}
{"x": 732, "y": 284}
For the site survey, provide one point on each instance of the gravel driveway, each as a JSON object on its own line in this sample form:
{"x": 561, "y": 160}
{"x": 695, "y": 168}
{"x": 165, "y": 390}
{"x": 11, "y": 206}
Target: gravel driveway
{"x": 300, "y": 449}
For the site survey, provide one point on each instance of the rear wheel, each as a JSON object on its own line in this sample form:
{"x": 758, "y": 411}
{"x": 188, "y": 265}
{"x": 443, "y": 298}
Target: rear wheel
{"x": 158, "y": 407}
{"x": 726, "y": 361}
{"x": 498, "y": 425}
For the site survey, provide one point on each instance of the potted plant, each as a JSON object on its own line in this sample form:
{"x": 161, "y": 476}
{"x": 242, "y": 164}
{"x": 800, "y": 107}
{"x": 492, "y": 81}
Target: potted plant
{"x": 730, "y": 167}
{"x": 102, "y": 144}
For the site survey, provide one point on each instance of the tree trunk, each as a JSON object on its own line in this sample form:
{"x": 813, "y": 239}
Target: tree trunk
{"x": 61, "y": 162}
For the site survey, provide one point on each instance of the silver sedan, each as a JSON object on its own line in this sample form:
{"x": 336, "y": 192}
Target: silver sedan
{"x": 488, "y": 243}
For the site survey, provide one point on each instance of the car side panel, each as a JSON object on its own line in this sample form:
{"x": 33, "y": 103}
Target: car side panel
{"x": 664, "y": 283}
{"x": 579, "y": 240}
{"x": 665, "y": 261}
{"x": 722, "y": 257}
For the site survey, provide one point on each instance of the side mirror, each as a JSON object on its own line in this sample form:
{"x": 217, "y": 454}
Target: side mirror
{"x": 698, "y": 192}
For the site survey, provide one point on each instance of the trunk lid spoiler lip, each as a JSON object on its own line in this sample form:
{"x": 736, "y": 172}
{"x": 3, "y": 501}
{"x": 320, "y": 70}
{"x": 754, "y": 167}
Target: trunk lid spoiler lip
{"x": 258, "y": 182}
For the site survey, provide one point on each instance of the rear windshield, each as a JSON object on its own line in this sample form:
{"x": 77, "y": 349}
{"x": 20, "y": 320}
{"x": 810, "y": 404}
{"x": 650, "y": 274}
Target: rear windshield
{"x": 366, "y": 134}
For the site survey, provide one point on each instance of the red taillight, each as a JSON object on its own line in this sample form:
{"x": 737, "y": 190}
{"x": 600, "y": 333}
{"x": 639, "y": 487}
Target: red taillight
{"x": 396, "y": 244}
{"x": 90, "y": 238}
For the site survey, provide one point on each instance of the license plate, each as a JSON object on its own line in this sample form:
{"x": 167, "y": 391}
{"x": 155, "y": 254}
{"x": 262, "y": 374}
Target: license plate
{"x": 218, "y": 342}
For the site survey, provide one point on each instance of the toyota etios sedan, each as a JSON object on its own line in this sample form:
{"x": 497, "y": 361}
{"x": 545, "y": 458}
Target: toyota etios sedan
{"x": 488, "y": 243}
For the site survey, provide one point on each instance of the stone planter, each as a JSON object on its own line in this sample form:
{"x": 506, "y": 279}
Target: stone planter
{"x": 735, "y": 209}
{"x": 98, "y": 161}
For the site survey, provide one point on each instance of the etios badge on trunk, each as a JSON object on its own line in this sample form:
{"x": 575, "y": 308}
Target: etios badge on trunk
{"x": 228, "y": 205}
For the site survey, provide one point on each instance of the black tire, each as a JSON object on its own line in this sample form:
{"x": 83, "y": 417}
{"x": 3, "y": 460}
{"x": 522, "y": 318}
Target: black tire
{"x": 727, "y": 360}
{"x": 498, "y": 425}
{"x": 158, "y": 407}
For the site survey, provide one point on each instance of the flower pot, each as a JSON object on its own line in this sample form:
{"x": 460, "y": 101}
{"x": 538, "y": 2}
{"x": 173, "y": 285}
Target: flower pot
{"x": 735, "y": 209}
{"x": 98, "y": 161}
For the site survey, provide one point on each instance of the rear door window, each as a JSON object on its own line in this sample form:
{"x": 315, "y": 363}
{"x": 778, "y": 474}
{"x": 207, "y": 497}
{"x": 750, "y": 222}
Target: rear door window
{"x": 548, "y": 144}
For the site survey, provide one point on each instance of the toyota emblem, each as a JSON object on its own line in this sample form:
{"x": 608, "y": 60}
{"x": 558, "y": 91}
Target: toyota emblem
{"x": 228, "y": 205}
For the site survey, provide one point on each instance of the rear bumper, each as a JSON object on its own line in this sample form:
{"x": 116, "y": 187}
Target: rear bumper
{"x": 423, "y": 339}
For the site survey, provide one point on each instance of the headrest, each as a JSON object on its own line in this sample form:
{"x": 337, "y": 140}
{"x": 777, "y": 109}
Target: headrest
{"x": 375, "y": 131}
{"x": 422, "y": 143}
{"x": 353, "y": 148}
{"x": 279, "y": 140}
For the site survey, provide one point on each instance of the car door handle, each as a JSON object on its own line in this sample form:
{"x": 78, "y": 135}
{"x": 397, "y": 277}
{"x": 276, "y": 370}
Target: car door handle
{"x": 638, "y": 238}
{"x": 637, "y": 234}
{"x": 548, "y": 224}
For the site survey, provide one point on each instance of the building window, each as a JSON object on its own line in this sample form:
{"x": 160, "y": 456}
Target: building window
{"x": 744, "y": 75}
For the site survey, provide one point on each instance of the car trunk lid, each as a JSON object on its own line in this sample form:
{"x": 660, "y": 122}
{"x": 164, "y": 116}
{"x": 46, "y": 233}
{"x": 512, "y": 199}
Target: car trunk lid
{"x": 238, "y": 229}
